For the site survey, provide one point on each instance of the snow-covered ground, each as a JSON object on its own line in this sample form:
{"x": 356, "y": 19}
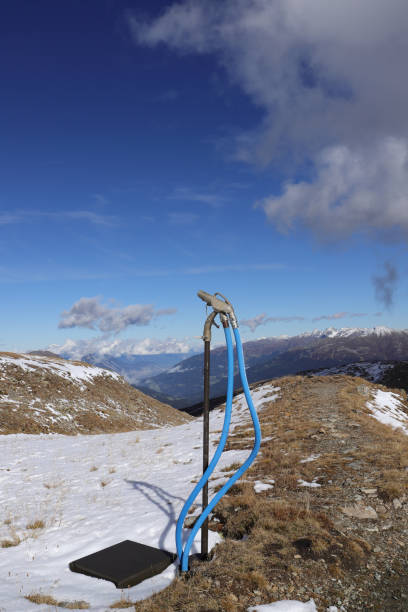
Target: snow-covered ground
{"x": 386, "y": 408}
{"x": 373, "y": 371}
{"x": 94, "y": 491}
{"x": 287, "y": 605}
{"x": 65, "y": 369}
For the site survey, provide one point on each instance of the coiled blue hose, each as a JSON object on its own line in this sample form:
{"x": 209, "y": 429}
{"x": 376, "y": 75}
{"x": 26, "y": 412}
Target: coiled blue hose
{"x": 217, "y": 454}
{"x": 244, "y": 466}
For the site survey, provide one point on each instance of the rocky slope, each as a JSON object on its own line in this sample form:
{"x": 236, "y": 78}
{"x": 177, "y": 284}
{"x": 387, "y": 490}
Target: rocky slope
{"x": 42, "y": 394}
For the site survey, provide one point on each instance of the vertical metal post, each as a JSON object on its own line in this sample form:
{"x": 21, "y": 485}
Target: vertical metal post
{"x": 206, "y": 430}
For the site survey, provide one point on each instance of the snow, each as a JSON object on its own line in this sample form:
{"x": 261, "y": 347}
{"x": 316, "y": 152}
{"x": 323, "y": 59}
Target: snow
{"x": 311, "y": 458}
{"x": 313, "y": 484}
{"x": 373, "y": 371}
{"x": 386, "y": 408}
{"x": 263, "y": 394}
{"x": 92, "y": 491}
{"x": 63, "y": 368}
{"x": 345, "y": 332}
{"x": 286, "y": 605}
{"x": 263, "y": 486}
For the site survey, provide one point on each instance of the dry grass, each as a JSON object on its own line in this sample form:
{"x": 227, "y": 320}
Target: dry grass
{"x": 39, "y": 598}
{"x": 38, "y": 524}
{"x": 279, "y": 540}
{"x": 121, "y": 604}
{"x": 9, "y": 543}
{"x": 101, "y": 405}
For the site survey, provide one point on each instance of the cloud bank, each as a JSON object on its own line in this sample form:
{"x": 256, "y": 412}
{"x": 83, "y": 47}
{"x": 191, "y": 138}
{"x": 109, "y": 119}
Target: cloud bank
{"x": 115, "y": 347}
{"x": 90, "y": 313}
{"x": 330, "y": 80}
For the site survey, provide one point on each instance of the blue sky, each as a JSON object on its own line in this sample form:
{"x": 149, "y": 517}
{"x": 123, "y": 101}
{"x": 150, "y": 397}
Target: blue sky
{"x": 152, "y": 149}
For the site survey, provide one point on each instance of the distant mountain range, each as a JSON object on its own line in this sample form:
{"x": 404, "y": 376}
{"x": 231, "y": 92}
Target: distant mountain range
{"x": 134, "y": 367}
{"x": 182, "y": 384}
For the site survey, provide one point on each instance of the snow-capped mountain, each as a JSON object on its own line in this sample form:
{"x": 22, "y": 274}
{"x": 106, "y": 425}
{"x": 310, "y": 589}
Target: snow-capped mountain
{"x": 272, "y": 357}
{"x": 347, "y": 332}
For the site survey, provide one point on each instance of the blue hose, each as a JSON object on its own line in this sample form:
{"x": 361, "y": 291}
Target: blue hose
{"x": 217, "y": 454}
{"x": 244, "y": 466}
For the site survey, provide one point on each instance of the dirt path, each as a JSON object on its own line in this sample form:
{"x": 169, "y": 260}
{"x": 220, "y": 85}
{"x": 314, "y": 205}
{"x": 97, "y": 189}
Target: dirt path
{"x": 384, "y": 579}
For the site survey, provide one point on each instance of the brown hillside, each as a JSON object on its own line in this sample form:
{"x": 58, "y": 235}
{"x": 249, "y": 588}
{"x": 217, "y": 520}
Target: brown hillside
{"x": 343, "y": 543}
{"x": 39, "y": 394}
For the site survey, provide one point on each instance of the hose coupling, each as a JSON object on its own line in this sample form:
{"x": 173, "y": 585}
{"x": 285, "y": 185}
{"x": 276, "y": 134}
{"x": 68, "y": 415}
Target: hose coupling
{"x": 224, "y": 319}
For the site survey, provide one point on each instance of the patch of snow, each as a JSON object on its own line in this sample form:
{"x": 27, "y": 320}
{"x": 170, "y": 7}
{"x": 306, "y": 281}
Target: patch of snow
{"x": 260, "y": 396}
{"x": 386, "y": 408}
{"x": 372, "y": 371}
{"x": 285, "y": 605}
{"x": 263, "y": 486}
{"x": 8, "y": 400}
{"x": 313, "y": 484}
{"x": 311, "y": 458}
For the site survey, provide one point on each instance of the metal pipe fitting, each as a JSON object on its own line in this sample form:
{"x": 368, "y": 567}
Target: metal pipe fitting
{"x": 219, "y": 306}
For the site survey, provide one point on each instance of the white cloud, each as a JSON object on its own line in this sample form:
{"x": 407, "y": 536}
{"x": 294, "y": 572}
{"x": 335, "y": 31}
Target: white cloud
{"x": 233, "y": 268}
{"x": 189, "y": 195}
{"x": 75, "y": 349}
{"x": 330, "y": 80}
{"x": 262, "y": 319}
{"x": 336, "y": 315}
{"x": 6, "y": 219}
{"x": 254, "y": 322}
{"x": 90, "y": 313}
{"x": 353, "y": 191}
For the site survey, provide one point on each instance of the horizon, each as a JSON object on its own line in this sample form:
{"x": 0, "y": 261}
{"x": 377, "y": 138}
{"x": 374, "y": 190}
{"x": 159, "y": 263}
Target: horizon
{"x": 156, "y": 148}
{"x": 73, "y": 352}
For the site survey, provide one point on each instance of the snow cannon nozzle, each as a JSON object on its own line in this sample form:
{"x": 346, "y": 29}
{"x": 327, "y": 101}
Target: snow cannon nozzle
{"x": 219, "y": 306}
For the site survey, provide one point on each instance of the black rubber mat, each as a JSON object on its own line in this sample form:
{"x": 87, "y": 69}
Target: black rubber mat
{"x": 125, "y": 564}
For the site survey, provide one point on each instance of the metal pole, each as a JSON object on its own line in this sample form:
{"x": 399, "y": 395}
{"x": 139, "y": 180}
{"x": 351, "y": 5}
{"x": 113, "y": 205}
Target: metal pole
{"x": 206, "y": 429}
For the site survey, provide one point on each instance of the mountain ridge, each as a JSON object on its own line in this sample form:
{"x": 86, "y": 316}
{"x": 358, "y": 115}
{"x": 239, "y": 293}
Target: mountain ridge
{"x": 273, "y": 357}
{"x": 42, "y": 394}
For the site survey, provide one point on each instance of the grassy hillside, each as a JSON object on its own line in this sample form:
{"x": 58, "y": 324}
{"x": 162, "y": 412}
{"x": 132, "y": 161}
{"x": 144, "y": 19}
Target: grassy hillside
{"x": 343, "y": 537}
{"x": 41, "y": 394}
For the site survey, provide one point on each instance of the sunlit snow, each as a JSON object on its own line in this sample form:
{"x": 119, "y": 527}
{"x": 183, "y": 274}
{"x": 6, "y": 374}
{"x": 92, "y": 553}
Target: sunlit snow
{"x": 95, "y": 491}
{"x": 286, "y": 605}
{"x": 386, "y": 408}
